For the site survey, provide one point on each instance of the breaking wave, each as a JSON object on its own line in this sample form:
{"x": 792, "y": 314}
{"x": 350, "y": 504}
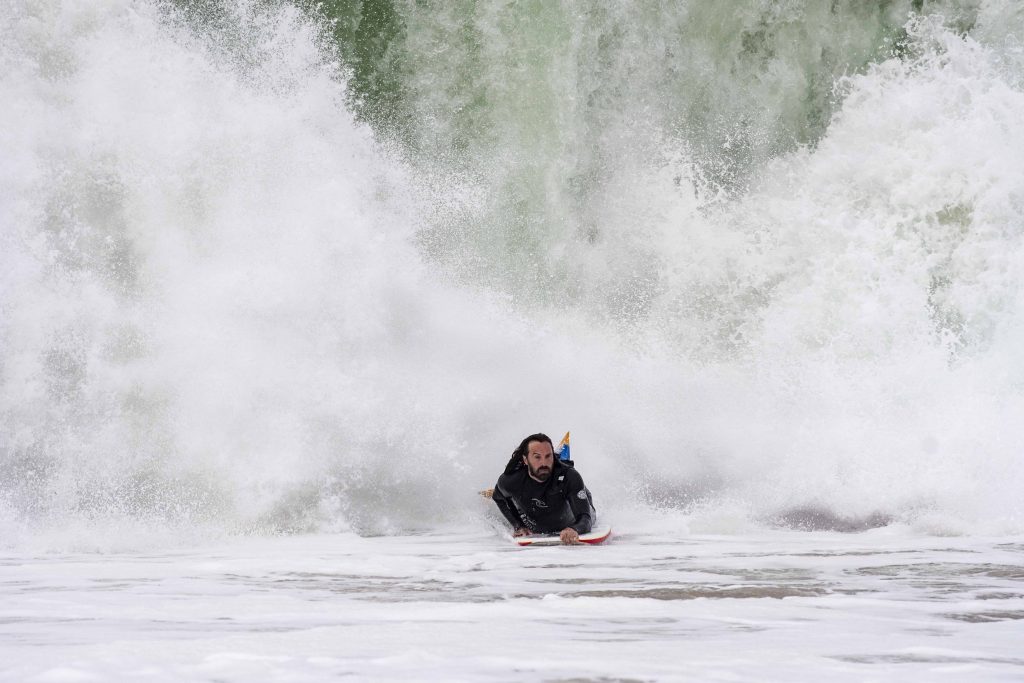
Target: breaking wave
{"x": 273, "y": 268}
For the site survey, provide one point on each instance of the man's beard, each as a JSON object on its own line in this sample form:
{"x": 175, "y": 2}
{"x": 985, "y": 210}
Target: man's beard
{"x": 537, "y": 474}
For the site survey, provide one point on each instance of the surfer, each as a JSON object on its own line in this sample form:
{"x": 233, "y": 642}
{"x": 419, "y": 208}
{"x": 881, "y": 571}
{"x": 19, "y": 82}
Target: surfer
{"x": 539, "y": 493}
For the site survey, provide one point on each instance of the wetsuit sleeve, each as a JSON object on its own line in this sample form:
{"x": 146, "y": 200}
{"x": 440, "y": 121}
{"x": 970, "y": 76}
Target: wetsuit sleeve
{"x": 505, "y": 505}
{"x": 579, "y": 503}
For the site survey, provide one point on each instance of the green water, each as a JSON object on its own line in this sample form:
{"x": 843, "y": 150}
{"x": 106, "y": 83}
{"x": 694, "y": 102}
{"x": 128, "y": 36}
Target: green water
{"x": 530, "y": 120}
{"x": 540, "y": 107}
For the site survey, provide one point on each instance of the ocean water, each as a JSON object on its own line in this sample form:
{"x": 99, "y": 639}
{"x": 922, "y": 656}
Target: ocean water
{"x": 283, "y": 283}
{"x": 457, "y": 606}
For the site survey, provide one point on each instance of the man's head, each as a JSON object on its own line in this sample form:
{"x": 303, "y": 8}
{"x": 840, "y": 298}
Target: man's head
{"x": 538, "y": 454}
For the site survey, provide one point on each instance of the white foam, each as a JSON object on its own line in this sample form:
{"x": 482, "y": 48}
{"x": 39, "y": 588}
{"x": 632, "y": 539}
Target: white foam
{"x": 224, "y": 306}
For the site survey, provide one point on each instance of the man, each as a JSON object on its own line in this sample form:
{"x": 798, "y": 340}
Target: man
{"x": 538, "y": 493}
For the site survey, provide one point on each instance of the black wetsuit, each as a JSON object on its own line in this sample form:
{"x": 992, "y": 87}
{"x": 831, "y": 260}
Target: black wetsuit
{"x": 561, "y": 501}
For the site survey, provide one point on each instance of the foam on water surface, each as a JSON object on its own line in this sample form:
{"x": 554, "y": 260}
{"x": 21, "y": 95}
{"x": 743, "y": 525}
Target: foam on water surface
{"x": 886, "y": 605}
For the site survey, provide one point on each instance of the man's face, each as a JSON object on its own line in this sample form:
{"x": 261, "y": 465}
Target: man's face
{"x": 539, "y": 458}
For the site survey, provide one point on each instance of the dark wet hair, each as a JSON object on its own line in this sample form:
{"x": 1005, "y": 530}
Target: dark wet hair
{"x": 516, "y": 461}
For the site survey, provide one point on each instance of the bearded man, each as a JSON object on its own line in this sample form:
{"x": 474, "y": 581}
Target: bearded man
{"x": 541, "y": 494}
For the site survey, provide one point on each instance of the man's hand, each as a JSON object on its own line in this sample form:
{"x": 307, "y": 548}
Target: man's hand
{"x": 569, "y": 536}
{"x": 521, "y": 531}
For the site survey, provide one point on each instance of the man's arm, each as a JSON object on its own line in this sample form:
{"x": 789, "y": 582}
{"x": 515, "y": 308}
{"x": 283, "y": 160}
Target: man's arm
{"x": 507, "y": 508}
{"x": 579, "y": 503}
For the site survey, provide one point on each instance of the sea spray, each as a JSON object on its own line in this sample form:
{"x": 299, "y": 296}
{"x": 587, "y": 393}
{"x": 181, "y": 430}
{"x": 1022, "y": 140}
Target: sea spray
{"x": 199, "y": 265}
{"x": 229, "y": 303}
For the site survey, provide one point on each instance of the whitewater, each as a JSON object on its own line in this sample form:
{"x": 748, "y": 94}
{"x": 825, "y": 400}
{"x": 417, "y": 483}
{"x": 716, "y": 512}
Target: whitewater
{"x": 282, "y": 284}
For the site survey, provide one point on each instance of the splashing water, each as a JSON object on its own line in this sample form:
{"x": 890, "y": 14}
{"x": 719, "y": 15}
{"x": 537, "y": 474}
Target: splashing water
{"x": 766, "y": 264}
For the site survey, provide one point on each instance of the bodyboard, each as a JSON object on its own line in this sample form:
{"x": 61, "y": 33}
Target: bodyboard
{"x": 598, "y": 535}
